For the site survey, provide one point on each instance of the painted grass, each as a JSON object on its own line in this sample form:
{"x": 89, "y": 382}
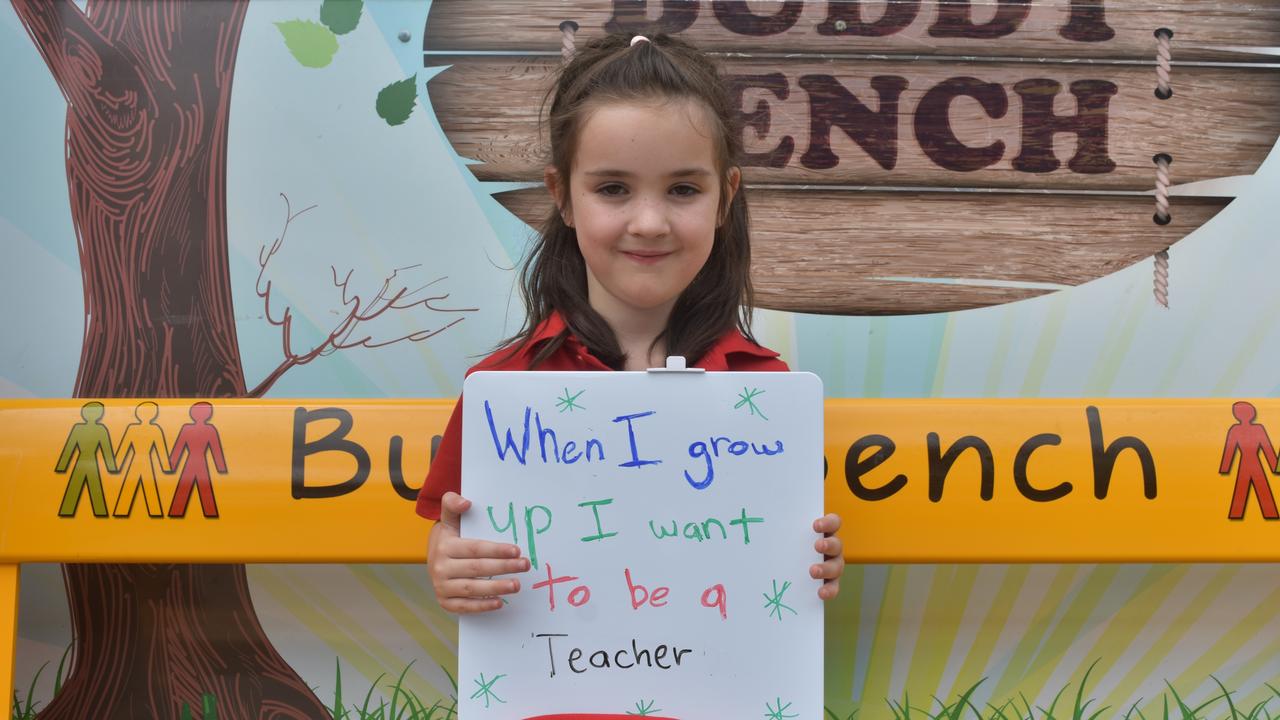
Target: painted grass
{"x": 402, "y": 703}
{"x": 399, "y": 703}
{"x": 1077, "y": 707}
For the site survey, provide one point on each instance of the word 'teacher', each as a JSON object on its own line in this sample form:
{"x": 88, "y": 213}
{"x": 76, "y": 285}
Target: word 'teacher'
{"x": 667, "y": 517}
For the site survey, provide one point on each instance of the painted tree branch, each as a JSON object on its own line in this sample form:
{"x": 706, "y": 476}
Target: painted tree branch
{"x": 349, "y": 332}
{"x": 73, "y": 47}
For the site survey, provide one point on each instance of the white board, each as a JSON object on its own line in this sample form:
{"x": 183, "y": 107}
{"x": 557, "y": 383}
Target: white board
{"x": 730, "y": 462}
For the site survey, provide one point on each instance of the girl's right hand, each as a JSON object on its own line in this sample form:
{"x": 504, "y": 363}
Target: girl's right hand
{"x": 462, "y": 569}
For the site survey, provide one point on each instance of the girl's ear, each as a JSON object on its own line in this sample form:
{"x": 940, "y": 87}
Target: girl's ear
{"x": 551, "y": 179}
{"x": 732, "y": 180}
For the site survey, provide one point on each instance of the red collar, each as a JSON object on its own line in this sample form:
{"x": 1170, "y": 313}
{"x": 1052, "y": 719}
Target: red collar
{"x": 730, "y": 342}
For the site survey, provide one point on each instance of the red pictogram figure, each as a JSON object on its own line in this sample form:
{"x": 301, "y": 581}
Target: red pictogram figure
{"x": 1249, "y": 439}
{"x": 199, "y": 439}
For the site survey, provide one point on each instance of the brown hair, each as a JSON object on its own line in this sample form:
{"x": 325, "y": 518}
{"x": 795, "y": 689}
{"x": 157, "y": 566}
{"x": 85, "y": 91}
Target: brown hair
{"x": 610, "y": 69}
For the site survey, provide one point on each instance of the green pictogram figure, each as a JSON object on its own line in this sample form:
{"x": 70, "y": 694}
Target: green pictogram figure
{"x": 86, "y": 440}
{"x": 142, "y": 445}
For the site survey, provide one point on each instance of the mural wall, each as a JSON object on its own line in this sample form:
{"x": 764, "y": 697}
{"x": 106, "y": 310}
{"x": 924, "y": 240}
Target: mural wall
{"x": 328, "y": 199}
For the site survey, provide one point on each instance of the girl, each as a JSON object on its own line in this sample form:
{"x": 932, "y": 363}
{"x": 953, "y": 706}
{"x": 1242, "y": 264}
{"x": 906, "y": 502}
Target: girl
{"x": 645, "y": 255}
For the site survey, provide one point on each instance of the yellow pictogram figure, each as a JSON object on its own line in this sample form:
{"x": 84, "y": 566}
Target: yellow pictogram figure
{"x": 141, "y": 446}
{"x": 86, "y": 440}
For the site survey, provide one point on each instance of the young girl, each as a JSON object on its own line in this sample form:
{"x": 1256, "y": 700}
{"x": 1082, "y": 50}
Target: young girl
{"x": 645, "y": 255}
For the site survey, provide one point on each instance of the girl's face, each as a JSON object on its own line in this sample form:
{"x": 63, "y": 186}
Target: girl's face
{"x": 644, "y": 197}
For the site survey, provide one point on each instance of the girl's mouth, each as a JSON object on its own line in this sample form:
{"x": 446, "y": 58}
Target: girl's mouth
{"x": 645, "y": 257}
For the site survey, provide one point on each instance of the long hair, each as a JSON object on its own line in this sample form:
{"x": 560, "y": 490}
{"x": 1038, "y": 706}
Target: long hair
{"x": 553, "y": 278}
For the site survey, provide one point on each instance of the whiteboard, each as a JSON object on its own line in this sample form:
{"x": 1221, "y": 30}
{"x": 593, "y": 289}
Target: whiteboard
{"x": 681, "y": 504}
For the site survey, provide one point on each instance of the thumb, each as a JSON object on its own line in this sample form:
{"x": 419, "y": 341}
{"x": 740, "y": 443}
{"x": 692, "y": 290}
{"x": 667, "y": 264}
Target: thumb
{"x": 452, "y": 505}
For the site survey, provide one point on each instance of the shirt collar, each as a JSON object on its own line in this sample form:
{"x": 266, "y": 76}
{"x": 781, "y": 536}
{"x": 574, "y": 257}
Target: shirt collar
{"x": 731, "y": 341}
{"x": 548, "y": 329}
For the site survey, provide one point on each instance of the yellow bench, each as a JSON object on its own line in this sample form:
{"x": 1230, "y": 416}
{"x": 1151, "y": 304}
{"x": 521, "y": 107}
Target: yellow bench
{"x": 244, "y": 481}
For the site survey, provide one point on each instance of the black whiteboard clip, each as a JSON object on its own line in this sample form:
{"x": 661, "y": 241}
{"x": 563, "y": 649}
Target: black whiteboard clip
{"x": 676, "y": 364}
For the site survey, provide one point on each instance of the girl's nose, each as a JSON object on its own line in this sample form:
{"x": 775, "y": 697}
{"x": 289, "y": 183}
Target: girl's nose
{"x": 649, "y": 219}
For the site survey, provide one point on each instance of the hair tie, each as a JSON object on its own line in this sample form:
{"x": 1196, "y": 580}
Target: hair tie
{"x": 638, "y": 39}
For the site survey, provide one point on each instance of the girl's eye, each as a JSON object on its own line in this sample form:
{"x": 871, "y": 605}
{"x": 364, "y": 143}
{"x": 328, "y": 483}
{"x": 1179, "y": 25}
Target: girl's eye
{"x": 611, "y": 190}
{"x": 685, "y": 190}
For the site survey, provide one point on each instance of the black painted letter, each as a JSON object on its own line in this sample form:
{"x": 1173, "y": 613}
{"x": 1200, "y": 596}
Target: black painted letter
{"x": 897, "y": 16}
{"x": 1088, "y": 22}
{"x": 736, "y": 17}
{"x": 933, "y": 124}
{"x": 631, "y": 17}
{"x": 335, "y": 441}
{"x": 1104, "y": 458}
{"x": 940, "y": 464}
{"x": 1020, "y": 462}
{"x": 831, "y": 104}
{"x": 1040, "y": 124}
{"x": 955, "y": 20}
{"x": 855, "y": 467}
{"x": 760, "y": 119}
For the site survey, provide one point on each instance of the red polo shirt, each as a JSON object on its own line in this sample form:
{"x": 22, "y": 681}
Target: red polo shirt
{"x": 731, "y": 351}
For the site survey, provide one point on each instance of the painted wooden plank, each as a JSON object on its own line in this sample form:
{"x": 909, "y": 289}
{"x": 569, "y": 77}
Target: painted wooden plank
{"x": 1000, "y": 28}
{"x": 893, "y": 253}
{"x": 987, "y": 125}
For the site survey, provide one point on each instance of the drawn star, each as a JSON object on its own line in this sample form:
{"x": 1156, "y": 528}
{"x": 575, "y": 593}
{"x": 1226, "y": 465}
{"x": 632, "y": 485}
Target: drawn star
{"x": 569, "y": 402}
{"x": 747, "y": 397}
{"x": 779, "y": 712}
{"x": 486, "y": 690}
{"x": 774, "y": 601}
{"x": 645, "y": 708}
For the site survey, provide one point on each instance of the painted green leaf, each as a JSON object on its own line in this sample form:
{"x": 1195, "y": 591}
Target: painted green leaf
{"x": 395, "y": 101}
{"x": 311, "y": 43}
{"x": 341, "y": 16}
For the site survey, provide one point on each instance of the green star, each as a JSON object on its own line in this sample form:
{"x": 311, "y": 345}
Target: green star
{"x": 569, "y": 402}
{"x": 774, "y": 602}
{"x": 778, "y": 712}
{"x": 747, "y": 397}
{"x": 486, "y": 689}
{"x": 645, "y": 708}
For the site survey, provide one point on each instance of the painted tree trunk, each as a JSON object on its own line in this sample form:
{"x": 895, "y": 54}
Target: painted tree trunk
{"x": 148, "y": 89}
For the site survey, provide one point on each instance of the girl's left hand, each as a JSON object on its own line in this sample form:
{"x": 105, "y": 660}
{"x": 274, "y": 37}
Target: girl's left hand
{"x": 831, "y": 547}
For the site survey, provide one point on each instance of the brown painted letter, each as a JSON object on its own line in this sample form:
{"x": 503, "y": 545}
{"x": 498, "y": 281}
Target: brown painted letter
{"x": 933, "y": 124}
{"x": 1040, "y": 124}
{"x": 760, "y": 119}
{"x": 897, "y": 16}
{"x": 631, "y": 16}
{"x": 955, "y": 20}
{"x": 1088, "y": 22}
{"x": 736, "y": 17}
{"x": 831, "y": 104}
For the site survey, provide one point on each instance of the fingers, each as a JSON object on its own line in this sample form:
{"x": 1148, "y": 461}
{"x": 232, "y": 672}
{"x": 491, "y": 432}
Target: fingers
{"x": 460, "y": 548}
{"x": 477, "y": 588}
{"x": 464, "y": 606}
{"x": 829, "y": 590}
{"x": 827, "y": 524}
{"x": 832, "y": 548}
{"x": 829, "y": 546}
{"x": 829, "y": 570}
{"x": 482, "y": 567}
{"x": 452, "y": 505}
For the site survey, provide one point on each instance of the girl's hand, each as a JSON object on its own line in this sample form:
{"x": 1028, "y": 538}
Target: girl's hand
{"x": 831, "y": 547}
{"x": 462, "y": 569}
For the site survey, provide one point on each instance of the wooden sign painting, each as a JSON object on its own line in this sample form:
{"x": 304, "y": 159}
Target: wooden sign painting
{"x": 1016, "y": 28}
{"x": 924, "y": 123}
{"x": 1057, "y": 96}
{"x": 819, "y": 251}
